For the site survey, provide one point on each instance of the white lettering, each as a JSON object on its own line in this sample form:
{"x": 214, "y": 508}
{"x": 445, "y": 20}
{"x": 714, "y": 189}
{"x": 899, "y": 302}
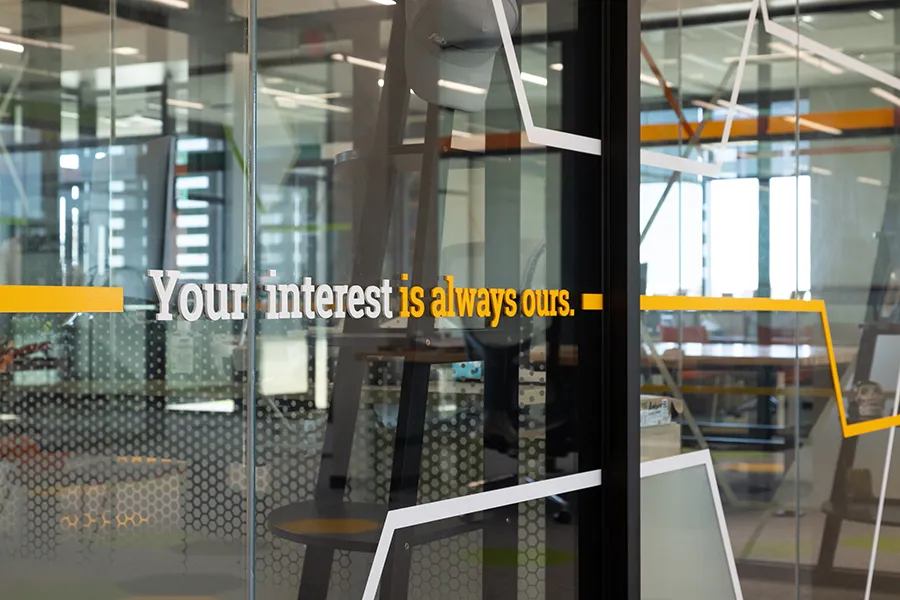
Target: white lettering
{"x": 238, "y": 291}
{"x": 355, "y": 302}
{"x": 212, "y": 312}
{"x": 386, "y": 299}
{"x": 271, "y": 301}
{"x": 164, "y": 292}
{"x": 290, "y": 301}
{"x": 374, "y": 305}
{"x": 308, "y": 289}
{"x": 324, "y": 297}
{"x": 190, "y": 313}
{"x": 340, "y": 292}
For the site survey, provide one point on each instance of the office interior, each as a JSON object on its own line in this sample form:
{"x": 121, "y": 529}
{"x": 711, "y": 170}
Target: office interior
{"x": 125, "y": 130}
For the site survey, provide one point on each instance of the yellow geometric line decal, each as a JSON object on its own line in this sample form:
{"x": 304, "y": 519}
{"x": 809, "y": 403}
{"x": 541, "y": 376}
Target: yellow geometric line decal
{"x": 677, "y": 303}
{"x": 60, "y": 299}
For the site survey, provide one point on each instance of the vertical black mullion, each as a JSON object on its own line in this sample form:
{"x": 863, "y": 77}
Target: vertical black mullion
{"x": 612, "y": 539}
{"x": 764, "y": 166}
{"x": 166, "y": 114}
{"x": 569, "y": 396}
{"x": 41, "y": 91}
{"x": 41, "y": 86}
{"x": 206, "y": 49}
{"x": 766, "y": 377}
{"x": 87, "y": 112}
{"x": 502, "y": 268}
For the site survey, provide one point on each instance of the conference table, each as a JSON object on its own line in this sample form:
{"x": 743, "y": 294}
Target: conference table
{"x": 695, "y": 355}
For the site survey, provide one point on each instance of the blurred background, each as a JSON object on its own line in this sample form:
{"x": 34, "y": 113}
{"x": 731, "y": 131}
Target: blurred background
{"x": 124, "y": 441}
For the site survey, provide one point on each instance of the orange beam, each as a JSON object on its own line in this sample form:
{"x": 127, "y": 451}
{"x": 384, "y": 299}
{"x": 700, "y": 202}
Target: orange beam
{"x": 845, "y": 120}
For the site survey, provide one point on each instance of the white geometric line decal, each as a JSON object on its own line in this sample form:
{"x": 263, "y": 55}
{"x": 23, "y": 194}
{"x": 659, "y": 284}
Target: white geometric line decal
{"x": 466, "y": 505}
{"x": 588, "y": 145}
{"x": 839, "y": 58}
{"x": 537, "y": 135}
{"x": 879, "y": 514}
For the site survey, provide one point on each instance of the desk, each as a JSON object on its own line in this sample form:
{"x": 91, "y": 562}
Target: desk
{"x": 772, "y": 363}
{"x": 718, "y": 356}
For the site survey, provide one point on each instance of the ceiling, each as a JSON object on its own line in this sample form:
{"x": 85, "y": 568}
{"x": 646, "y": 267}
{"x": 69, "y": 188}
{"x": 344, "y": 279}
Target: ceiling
{"x": 694, "y": 58}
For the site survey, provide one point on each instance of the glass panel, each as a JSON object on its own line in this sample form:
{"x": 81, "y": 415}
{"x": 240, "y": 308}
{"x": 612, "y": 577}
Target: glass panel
{"x": 684, "y": 557}
{"x": 386, "y": 162}
{"x": 121, "y": 454}
{"x": 853, "y": 186}
{"x": 751, "y": 381}
{"x": 803, "y": 209}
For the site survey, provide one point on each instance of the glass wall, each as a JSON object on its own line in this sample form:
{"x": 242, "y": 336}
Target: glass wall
{"x": 217, "y": 379}
{"x": 121, "y": 135}
{"x": 794, "y": 407}
{"x": 215, "y": 382}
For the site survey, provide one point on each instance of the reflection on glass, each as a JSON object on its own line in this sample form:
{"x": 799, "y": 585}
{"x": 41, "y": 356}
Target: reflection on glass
{"x": 682, "y": 553}
{"x": 805, "y": 209}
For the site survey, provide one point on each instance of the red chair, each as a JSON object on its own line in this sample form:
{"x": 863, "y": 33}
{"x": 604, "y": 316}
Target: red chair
{"x": 695, "y": 333}
{"x": 767, "y": 336}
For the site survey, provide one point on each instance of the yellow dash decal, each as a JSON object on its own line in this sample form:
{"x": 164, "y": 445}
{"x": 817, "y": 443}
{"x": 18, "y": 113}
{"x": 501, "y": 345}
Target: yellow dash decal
{"x": 592, "y": 302}
{"x": 60, "y": 299}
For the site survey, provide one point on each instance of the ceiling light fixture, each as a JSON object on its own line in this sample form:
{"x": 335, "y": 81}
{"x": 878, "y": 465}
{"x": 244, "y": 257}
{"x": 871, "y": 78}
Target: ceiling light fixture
{"x": 359, "y": 62}
{"x": 876, "y": 15}
{"x": 813, "y": 125}
{"x": 180, "y": 4}
{"x": 184, "y": 104}
{"x": 885, "y": 95}
{"x": 759, "y": 57}
{"x": 739, "y": 108}
{"x": 10, "y": 47}
{"x": 536, "y": 79}
{"x": 807, "y": 58}
{"x": 305, "y": 100}
{"x": 869, "y": 181}
{"x": 369, "y": 64}
{"x": 17, "y": 40}
{"x": 126, "y": 51}
{"x": 556, "y": 67}
{"x": 705, "y": 104}
{"x": 650, "y": 80}
{"x": 461, "y": 87}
